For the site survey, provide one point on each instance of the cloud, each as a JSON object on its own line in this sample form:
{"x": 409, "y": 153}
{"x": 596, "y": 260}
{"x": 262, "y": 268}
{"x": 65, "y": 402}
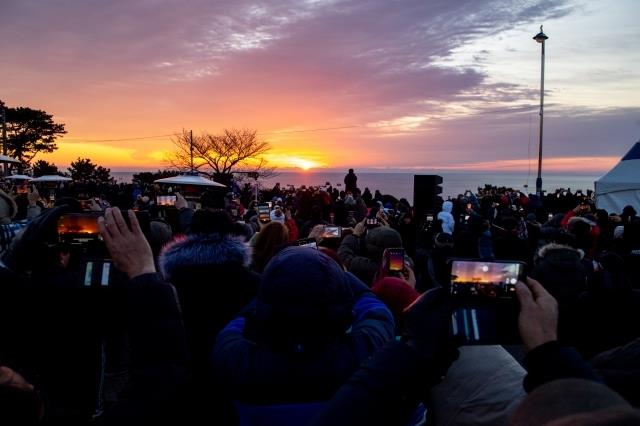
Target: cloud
{"x": 412, "y": 79}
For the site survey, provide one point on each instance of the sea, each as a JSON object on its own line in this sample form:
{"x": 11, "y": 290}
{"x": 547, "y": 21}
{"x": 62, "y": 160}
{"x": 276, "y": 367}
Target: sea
{"x": 400, "y": 184}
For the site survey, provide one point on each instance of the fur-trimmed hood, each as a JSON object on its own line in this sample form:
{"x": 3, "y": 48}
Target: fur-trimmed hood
{"x": 554, "y": 248}
{"x": 201, "y": 250}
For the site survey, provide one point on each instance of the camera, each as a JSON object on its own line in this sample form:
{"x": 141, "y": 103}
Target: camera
{"x": 484, "y": 299}
{"x": 79, "y": 235}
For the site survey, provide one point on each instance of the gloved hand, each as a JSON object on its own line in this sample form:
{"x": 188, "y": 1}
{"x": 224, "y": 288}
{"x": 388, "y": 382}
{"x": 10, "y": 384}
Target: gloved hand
{"x": 426, "y": 327}
{"x": 26, "y": 249}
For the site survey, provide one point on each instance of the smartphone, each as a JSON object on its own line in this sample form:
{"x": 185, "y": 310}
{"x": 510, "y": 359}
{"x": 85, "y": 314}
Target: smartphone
{"x": 85, "y": 204}
{"x": 307, "y": 242}
{"x": 263, "y": 213}
{"x": 395, "y": 259}
{"x": 485, "y": 307}
{"x": 371, "y": 222}
{"x": 166, "y": 200}
{"x": 332, "y": 232}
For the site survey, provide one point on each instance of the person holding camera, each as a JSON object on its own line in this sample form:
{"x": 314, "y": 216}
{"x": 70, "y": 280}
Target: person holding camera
{"x": 361, "y": 251}
{"x": 388, "y": 387}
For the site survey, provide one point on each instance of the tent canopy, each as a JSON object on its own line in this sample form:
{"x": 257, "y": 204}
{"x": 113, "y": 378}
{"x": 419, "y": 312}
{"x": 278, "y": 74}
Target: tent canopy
{"x": 621, "y": 185}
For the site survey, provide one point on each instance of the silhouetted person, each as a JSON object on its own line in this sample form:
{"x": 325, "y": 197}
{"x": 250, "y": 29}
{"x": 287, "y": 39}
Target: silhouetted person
{"x": 350, "y": 181}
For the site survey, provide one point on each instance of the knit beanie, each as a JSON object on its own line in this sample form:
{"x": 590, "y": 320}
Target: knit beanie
{"x": 381, "y": 238}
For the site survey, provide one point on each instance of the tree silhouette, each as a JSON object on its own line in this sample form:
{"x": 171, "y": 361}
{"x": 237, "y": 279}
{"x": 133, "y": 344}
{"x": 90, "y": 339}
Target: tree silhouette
{"x": 29, "y": 132}
{"x": 41, "y": 168}
{"x": 83, "y": 170}
{"x": 213, "y": 155}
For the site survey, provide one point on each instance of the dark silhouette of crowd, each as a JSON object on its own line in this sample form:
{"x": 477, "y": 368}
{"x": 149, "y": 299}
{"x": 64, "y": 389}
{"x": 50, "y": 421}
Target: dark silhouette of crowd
{"x": 207, "y": 312}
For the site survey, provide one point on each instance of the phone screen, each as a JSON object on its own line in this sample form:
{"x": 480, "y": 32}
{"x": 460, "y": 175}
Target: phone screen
{"x": 470, "y": 278}
{"x": 79, "y": 224}
{"x": 396, "y": 259}
{"x": 263, "y": 213}
{"x": 484, "y": 299}
{"x": 332, "y": 232}
{"x": 308, "y": 242}
{"x": 166, "y": 200}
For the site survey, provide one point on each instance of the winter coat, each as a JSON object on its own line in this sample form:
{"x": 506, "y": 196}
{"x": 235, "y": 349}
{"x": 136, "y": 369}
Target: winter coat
{"x": 213, "y": 282}
{"x": 256, "y": 357}
{"x": 448, "y": 222}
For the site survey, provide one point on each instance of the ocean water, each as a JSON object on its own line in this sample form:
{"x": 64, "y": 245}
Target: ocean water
{"x": 400, "y": 185}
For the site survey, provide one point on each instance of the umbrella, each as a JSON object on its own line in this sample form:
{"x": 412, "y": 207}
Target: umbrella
{"x": 6, "y": 159}
{"x": 51, "y": 178}
{"x": 18, "y": 177}
{"x": 190, "y": 179}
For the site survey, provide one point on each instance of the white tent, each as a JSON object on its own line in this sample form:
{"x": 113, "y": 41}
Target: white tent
{"x": 621, "y": 185}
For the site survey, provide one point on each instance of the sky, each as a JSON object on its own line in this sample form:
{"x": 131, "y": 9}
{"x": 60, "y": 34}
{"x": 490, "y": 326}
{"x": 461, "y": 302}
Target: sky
{"x": 369, "y": 84}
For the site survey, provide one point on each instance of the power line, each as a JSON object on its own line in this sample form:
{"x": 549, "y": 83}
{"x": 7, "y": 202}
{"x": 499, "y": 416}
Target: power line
{"x": 320, "y": 129}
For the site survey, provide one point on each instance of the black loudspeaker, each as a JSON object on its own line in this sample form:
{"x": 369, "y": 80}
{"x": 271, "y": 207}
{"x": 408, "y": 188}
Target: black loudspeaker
{"x": 426, "y": 191}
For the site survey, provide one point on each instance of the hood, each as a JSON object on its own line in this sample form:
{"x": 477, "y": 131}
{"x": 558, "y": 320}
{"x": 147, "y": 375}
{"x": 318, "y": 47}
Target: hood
{"x": 202, "y": 250}
{"x": 305, "y": 278}
{"x": 380, "y": 238}
{"x": 447, "y": 206}
{"x": 560, "y": 270}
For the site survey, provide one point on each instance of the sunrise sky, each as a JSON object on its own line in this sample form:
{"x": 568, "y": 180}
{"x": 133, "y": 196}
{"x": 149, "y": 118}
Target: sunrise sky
{"x": 407, "y": 84}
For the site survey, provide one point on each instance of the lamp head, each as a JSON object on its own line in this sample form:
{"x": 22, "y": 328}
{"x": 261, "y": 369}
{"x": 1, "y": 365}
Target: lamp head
{"x": 540, "y": 37}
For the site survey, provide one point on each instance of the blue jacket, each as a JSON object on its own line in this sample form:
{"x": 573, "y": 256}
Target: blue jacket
{"x": 255, "y": 370}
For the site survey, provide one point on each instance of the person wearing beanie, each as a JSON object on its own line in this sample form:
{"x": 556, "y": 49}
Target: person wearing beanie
{"x": 361, "y": 252}
{"x": 309, "y": 328}
{"x": 396, "y": 293}
{"x": 448, "y": 222}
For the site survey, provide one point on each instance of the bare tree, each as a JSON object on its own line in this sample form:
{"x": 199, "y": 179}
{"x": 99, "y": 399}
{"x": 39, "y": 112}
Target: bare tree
{"x": 232, "y": 151}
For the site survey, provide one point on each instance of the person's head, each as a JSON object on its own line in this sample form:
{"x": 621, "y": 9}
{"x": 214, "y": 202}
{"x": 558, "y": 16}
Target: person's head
{"x": 277, "y": 215}
{"x": 207, "y": 221}
{"x": 560, "y": 270}
{"x": 396, "y": 293}
{"x": 8, "y": 208}
{"x": 574, "y": 402}
{"x": 269, "y": 239}
{"x": 304, "y": 300}
{"x": 350, "y": 171}
{"x": 381, "y": 238}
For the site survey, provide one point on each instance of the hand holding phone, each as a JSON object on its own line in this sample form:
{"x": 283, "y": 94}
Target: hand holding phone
{"x": 307, "y": 242}
{"x": 332, "y": 232}
{"x": 484, "y": 299}
{"x": 264, "y": 213}
{"x": 394, "y": 259}
{"x": 538, "y": 319}
{"x": 127, "y": 244}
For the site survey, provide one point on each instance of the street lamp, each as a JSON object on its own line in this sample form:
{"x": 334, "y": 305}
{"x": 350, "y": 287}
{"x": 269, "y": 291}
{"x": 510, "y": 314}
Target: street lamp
{"x": 540, "y": 38}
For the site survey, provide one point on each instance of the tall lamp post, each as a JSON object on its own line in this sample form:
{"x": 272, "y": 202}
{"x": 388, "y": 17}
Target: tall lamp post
{"x": 540, "y": 38}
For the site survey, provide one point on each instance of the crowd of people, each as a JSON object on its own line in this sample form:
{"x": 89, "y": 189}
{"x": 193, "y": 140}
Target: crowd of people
{"x": 289, "y": 308}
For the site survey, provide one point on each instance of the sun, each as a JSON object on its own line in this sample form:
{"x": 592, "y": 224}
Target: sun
{"x": 305, "y": 164}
